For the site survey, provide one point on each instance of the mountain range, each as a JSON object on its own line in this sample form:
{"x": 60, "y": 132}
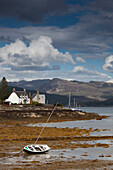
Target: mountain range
{"x": 93, "y": 91}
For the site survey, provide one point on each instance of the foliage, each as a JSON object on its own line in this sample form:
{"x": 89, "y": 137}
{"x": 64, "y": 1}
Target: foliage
{"x": 34, "y": 103}
{"x": 37, "y": 104}
{"x": 4, "y": 89}
{"x": 59, "y": 105}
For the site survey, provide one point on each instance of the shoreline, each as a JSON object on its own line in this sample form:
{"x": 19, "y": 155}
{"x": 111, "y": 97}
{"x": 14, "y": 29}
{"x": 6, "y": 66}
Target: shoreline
{"x": 41, "y": 113}
{"x": 14, "y": 135}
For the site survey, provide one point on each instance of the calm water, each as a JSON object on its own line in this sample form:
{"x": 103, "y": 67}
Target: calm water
{"x": 77, "y": 153}
{"x": 86, "y": 124}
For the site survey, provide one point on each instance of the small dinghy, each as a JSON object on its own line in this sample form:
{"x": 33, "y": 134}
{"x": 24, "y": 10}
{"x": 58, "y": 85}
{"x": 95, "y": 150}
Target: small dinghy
{"x": 39, "y": 148}
{"x": 36, "y": 149}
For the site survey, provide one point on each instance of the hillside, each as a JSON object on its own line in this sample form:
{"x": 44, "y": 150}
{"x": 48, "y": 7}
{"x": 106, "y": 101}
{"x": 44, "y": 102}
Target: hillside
{"x": 92, "y": 90}
{"x": 33, "y": 85}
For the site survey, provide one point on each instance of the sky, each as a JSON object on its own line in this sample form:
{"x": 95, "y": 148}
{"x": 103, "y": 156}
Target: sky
{"x": 66, "y": 39}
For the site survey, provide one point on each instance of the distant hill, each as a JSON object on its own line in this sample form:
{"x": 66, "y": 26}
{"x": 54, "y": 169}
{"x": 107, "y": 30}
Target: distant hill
{"x": 63, "y": 99}
{"x": 33, "y": 85}
{"x": 93, "y": 90}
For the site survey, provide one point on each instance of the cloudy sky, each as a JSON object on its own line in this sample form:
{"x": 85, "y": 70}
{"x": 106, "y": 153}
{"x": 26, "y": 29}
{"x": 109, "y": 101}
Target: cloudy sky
{"x": 67, "y": 39}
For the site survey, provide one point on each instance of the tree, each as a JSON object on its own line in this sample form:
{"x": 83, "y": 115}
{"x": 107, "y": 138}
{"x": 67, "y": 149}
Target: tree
{"x": 4, "y": 89}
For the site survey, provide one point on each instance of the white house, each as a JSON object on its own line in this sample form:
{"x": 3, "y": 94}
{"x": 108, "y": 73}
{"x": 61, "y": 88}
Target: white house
{"x": 40, "y": 98}
{"x": 18, "y": 97}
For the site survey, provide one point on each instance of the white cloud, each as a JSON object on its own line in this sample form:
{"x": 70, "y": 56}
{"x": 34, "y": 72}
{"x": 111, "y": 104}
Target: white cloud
{"x": 108, "y": 66}
{"x": 79, "y": 73}
{"x": 37, "y": 56}
{"x": 9, "y": 53}
{"x": 84, "y": 73}
{"x": 80, "y": 59}
{"x": 74, "y": 38}
{"x": 110, "y": 81}
{"x": 80, "y": 69}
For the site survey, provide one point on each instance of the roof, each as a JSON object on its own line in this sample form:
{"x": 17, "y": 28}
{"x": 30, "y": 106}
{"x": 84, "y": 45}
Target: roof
{"x": 34, "y": 94}
{"x": 21, "y": 93}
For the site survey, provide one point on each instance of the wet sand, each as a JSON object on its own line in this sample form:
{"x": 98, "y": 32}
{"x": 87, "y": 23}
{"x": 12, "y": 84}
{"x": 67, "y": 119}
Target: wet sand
{"x": 14, "y": 135}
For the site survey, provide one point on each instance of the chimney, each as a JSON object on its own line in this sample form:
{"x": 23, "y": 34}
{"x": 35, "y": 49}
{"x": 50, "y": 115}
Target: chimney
{"x": 13, "y": 89}
{"x": 37, "y": 95}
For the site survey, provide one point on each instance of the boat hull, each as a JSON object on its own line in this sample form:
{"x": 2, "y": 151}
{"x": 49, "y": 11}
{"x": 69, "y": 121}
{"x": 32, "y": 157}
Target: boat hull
{"x": 34, "y": 152}
{"x": 36, "y": 149}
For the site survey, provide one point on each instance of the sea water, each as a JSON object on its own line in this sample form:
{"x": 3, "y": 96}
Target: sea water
{"x": 105, "y": 125}
{"x": 77, "y": 153}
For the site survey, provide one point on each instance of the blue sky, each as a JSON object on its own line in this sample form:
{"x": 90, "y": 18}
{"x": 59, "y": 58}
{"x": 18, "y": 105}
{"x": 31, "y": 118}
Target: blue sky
{"x": 67, "y": 39}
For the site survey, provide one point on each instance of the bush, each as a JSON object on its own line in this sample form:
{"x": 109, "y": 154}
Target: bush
{"x": 0, "y": 101}
{"x": 37, "y": 104}
{"x": 59, "y": 105}
{"x": 34, "y": 103}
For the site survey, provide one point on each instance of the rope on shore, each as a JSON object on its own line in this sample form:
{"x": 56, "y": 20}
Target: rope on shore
{"x": 46, "y": 123}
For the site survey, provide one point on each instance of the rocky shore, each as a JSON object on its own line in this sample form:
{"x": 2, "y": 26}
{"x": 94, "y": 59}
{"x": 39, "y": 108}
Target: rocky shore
{"x": 40, "y": 113}
{"x": 15, "y": 134}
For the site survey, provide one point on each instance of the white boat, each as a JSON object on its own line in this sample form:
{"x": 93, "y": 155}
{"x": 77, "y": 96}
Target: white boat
{"x": 36, "y": 148}
{"x": 74, "y": 108}
{"x": 39, "y": 148}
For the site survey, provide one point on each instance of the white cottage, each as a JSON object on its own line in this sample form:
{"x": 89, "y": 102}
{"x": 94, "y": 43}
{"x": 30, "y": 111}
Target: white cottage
{"x": 18, "y": 97}
{"x": 40, "y": 98}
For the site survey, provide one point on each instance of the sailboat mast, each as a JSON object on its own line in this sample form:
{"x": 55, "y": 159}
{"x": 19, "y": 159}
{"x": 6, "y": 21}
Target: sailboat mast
{"x": 69, "y": 99}
{"x": 74, "y": 102}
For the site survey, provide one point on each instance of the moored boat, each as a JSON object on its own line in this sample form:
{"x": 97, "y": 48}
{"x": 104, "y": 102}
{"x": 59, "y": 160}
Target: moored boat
{"x": 74, "y": 108}
{"x": 39, "y": 148}
{"x": 36, "y": 148}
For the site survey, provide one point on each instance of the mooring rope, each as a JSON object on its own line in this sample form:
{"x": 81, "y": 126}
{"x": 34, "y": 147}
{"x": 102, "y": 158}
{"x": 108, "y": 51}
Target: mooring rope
{"x": 46, "y": 123}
